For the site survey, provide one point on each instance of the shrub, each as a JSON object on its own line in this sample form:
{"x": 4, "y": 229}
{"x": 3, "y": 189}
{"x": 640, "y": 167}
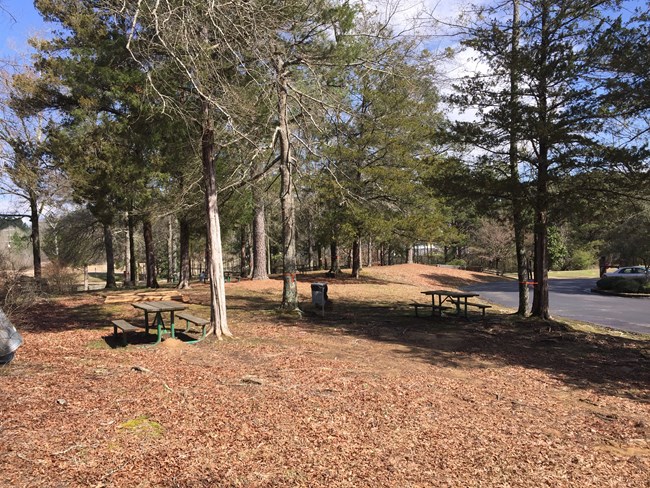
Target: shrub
{"x": 627, "y": 286}
{"x": 622, "y": 285}
{"x": 457, "y": 262}
{"x": 581, "y": 259}
{"x": 17, "y": 291}
{"x": 59, "y": 279}
{"x": 607, "y": 283}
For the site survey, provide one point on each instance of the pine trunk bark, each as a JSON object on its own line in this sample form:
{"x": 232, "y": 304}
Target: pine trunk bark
{"x": 259, "y": 237}
{"x": 127, "y": 259}
{"x": 517, "y": 191}
{"x": 243, "y": 242}
{"x": 134, "y": 261}
{"x": 356, "y": 258}
{"x": 150, "y": 254}
{"x": 36, "y": 236}
{"x": 184, "y": 237}
{"x": 218, "y": 317}
{"x": 110, "y": 257}
{"x": 290, "y": 286}
{"x": 170, "y": 250}
{"x": 335, "y": 267}
{"x": 540, "y": 298}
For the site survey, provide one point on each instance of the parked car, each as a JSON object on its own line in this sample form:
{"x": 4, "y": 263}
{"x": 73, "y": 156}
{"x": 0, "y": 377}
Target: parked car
{"x": 628, "y": 272}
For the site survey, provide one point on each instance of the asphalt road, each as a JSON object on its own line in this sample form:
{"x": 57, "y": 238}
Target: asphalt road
{"x": 572, "y": 298}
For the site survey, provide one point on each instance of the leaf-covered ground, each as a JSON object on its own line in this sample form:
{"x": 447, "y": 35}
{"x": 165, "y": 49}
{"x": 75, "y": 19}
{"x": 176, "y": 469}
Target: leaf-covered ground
{"x": 367, "y": 395}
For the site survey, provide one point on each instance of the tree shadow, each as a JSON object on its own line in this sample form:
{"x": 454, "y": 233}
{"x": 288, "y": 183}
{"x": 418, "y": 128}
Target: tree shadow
{"x": 606, "y": 363}
{"x": 611, "y": 364}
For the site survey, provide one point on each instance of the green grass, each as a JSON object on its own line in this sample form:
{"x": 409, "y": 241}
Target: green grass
{"x": 580, "y": 273}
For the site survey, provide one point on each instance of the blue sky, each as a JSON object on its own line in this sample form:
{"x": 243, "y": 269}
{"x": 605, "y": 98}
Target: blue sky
{"x": 18, "y": 21}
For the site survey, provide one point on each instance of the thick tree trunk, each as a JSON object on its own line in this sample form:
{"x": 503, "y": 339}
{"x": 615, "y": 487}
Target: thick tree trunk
{"x": 335, "y": 267}
{"x": 127, "y": 259}
{"x": 170, "y": 250}
{"x": 409, "y": 255}
{"x": 110, "y": 257}
{"x": 310, "y": 245}
{"x": 218, "y": 317}
{"x": 517, "y": 190}
{"x": 356, "y": 258}
{"x": 540, "y": 297}
{"x": 150, "y": 255}
{"x": 369, "y": 264}
{"x": 35, "y": 237}
{"x": 290, "y": 286}
{"x": 243, "y": 244}
{"x": 259, "y": 237}
{"x": 134, "y": 260}
{"x": 184, "y": 237}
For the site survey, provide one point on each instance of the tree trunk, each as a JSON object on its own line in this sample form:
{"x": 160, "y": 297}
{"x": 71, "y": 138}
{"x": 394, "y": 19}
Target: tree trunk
{"x": 150, "y": 255}
{"x": 184, "y": 237}
{"x": 290, "y": 286}
{"x": 110, "y": 257}
{"x": 310, "y": 245}
{"x": 356, "y": 258}
{"x": 35, "y": 237}
{"x": 170, "y": 250}
{"x": 218, "y": 317}
{"x": 369, "y": 264}
{"x": 134, "y": 259}
{"x": 127, "y": 259}
{"x": 335, "y": 267}
{"x": 86, "y": 287}
{"x": 259, "y": 237}
{"x": 409, "y": 255}
{"x": 540, "y": 297}
{"x": 243, "y": 242}
{"x": 518, "y": 201}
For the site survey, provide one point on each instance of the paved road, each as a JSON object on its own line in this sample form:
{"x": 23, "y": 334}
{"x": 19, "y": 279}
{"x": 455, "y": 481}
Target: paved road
{"x": 572, "y": 298}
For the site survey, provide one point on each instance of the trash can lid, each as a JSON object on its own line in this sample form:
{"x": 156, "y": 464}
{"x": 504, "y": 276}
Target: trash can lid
{"x": 10, "y": 338}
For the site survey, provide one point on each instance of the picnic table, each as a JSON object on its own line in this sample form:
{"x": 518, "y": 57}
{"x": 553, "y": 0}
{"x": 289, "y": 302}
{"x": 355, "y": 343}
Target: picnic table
{"x": 158, "y": 308}
{"x": 458, "y": 300}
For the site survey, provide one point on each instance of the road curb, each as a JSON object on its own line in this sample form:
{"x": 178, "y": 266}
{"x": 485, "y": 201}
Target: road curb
{"x": 619, "y": 294}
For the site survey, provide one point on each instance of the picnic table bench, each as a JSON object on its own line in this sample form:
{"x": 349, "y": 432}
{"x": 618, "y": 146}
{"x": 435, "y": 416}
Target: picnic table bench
{"x": 434, "y": 308}
{"x": 480, "y": 306}
{"x": 192, "y": 319}
{"x": 228, "y": 275}
{"x": 124, "y": 326}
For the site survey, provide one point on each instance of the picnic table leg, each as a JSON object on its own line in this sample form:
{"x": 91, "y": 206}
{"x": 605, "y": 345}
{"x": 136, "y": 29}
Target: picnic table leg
{"x": 146, "y": 321}
{"x": 159, "y": 327}
{"x": 172, "y": 325}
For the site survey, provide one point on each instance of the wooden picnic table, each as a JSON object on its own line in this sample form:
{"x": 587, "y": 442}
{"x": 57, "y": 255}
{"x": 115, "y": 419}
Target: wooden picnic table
{"x": 158, "y": 308}
{"x": 457, "y": 298}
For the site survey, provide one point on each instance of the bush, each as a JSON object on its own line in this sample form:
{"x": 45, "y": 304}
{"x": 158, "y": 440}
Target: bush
{"x": 628, "y": 286}
{"x": 59, "y": 279}
{"x": 17, "y": 291}
{"x": 623, "y": 285}
{"x": 581, "y": 259}
{"x": 457, "y": 262}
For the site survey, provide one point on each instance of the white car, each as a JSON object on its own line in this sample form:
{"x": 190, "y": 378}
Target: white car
{"x": 628, "y": 272}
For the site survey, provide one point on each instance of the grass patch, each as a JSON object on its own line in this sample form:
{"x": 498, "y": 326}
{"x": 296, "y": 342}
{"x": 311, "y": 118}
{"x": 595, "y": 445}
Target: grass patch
{"x": 143, "y": 426}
